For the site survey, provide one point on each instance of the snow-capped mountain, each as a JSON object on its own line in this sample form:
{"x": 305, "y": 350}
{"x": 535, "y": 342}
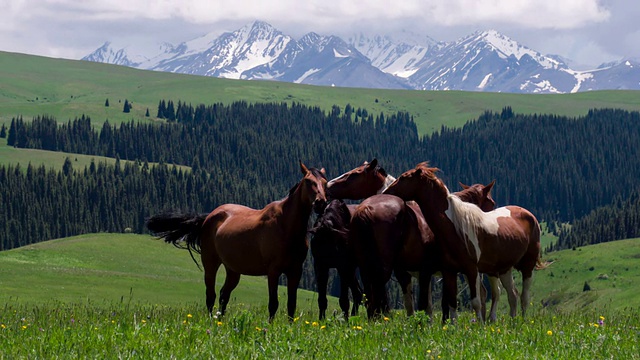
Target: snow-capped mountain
{"x": 482, "y": 61}
{"x": 397, "y": 55}
{"x": 490, "y": 61}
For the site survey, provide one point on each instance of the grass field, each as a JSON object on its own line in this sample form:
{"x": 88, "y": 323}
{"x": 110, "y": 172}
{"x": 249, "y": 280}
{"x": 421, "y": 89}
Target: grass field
{"x": 119, "y": 296}
{"x": 33, "y": 85}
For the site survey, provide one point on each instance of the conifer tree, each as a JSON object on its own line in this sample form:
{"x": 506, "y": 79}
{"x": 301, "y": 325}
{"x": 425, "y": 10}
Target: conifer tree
{"x": 127, "y": 107}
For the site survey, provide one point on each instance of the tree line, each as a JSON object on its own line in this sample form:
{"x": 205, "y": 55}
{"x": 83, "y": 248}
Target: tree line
{"x": 560, "y": 168}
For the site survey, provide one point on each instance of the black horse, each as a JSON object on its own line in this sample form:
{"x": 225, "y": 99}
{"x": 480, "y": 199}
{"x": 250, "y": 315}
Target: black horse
{"x": 329, "y": 250}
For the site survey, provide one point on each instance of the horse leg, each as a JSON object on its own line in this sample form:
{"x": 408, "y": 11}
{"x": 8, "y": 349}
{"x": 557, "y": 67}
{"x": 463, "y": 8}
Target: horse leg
{"x": 293, "y": 279}
{"x": 344, "y": 291}
{"x": 356, "y": 291}
{"x": 527, "y": 279}
{"x": 211, "y": 264}
{"x": 495, "y": 297}
{"x": 473, "y": 278}
{"x": 425, "y": 301}
{"x": 509, "y": 287}
{"x": 449, "y": 296}
{"x": 404, "y": 279}
{"x": 272, "y": 281}
{"x": 230, "y": 283}
{"x": 322, "y": 278}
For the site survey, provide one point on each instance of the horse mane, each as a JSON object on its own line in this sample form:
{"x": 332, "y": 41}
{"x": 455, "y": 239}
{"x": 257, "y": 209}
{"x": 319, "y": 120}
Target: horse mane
{"x": 467, "y": 218}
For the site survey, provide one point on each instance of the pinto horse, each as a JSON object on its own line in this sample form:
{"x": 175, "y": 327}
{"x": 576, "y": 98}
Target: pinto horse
{"x": 389, "y": 235}
{"x": 473, "y": 241}
{"x": 271, "y": 241}
{"x": 329, "y": 250}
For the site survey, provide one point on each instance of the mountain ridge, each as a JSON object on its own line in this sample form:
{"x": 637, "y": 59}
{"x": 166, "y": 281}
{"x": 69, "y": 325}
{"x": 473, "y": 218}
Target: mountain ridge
{"x": 482, "y": 61}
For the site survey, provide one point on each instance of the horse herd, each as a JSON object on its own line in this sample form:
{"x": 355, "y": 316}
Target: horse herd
{"x": 409, "y": 226}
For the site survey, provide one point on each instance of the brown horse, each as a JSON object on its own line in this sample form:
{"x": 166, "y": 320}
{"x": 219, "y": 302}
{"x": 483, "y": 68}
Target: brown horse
{"x": 329, "y": 250}
{"x": 271, "y": 241}
{"x": 389, "y": 235}
{"x": 359, "y": 183}
{"x": 473, "y": 241}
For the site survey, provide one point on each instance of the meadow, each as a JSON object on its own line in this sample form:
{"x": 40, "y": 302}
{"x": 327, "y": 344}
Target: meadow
{"x": 65, "y": 89}
{"x": 132, "y": 296}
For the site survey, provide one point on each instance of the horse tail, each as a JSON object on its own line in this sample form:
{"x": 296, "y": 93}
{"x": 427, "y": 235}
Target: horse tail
{"x": 540, "y": 265}
{"x": 180, "y": 229}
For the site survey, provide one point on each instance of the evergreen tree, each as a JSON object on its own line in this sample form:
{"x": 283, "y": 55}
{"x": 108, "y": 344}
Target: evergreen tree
{"x": 147, "y": 113}
{"x": 127, "y": 107}
{"x": 3, "y": 132}
{"x": 106, "y": 103}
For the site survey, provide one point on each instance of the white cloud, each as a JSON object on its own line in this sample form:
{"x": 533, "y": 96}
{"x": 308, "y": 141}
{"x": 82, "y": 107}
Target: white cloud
{"x": 529, "y": 13}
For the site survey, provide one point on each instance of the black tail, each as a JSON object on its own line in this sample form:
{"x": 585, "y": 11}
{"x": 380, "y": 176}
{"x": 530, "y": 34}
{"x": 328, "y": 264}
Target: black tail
{"x": 180, "y": 229}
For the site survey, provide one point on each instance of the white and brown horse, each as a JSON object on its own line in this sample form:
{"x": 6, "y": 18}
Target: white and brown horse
{"x": 473, "y": 241}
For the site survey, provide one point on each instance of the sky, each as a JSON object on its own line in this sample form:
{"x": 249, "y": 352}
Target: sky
{"x": 588, "y": 32}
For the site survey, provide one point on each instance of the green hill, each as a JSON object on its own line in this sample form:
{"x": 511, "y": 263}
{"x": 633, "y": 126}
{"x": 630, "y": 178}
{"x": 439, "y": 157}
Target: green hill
{"x": 610, "y": 269}
{"x": 33, "y": 85}
{"x": 108, "y": 268}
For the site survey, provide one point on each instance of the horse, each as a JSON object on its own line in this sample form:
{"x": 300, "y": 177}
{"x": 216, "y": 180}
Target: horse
{"x": 329, "y": 250}
{"x": 359, "y": 183}
{"x": 473, "y": 241}
{"x": 391, "y": 235}
{"x": 329, "y": 244}
{"x": 270, "y": 241}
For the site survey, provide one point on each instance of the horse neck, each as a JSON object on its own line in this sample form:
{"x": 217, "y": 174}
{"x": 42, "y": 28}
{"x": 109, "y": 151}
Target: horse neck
{"x": 296, "y": 209}
{"x": 466, "y": 217}
{"x": 387, "y": 181}
{"x": 434, "y": 213}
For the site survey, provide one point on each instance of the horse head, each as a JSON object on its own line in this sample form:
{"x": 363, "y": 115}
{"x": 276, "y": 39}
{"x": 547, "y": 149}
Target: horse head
{"x": 314, "y": 184}
{"x": 478, "y": 194}
{"x": 421, "y": 183}
{"x": 359, "y": 183}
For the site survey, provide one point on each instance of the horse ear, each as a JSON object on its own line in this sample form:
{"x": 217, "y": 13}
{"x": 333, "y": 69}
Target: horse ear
{"x": 323, "y": 171}
{"x": 303, "y": 168}
{"x": 487, "y": 189}
{"x": 464, "y": 187}
{"x": 372, "y": 165}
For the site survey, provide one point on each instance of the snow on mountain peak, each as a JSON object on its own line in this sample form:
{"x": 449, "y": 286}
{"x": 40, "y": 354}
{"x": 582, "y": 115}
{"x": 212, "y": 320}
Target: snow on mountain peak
{"x": 506, "y": 47}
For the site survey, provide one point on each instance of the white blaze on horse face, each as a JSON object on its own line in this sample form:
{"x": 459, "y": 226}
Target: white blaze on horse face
{"x": 335, "y": 180}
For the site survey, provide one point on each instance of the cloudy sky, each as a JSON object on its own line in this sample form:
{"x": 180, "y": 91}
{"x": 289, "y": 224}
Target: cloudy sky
{"x": 588, "y": 32}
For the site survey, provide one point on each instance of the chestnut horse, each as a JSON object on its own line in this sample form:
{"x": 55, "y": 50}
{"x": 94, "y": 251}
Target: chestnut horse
{"x": 271, "y": 241}
{"x": 329, "y": 250}
{"x": 360, "y": 183}
{"x": 473, "y": 241}
{"x": 389, "y": 235}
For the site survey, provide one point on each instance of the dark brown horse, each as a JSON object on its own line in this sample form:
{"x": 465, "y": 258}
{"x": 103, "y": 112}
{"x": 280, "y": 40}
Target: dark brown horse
{"x": 473, "y": 241}
{"x": 329, "y": 250}
{"x": 389, "y": 235}
{"x": 329, "y": 243}
{"x": 271, "y": 241}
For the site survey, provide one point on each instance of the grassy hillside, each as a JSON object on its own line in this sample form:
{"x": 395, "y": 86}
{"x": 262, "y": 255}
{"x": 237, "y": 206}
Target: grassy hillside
{"x": 610, "y": 269}
{"x": 33, "y": 85}
{"x": 108, "y": 268}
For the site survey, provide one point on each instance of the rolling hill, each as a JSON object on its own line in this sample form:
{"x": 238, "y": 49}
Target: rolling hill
{"x": 66, "y": 89}
{"x": 107, "y": 268}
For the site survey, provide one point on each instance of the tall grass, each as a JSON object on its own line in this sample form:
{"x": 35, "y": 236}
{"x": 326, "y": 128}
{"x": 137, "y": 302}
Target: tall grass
{"x": 122, "y": 330}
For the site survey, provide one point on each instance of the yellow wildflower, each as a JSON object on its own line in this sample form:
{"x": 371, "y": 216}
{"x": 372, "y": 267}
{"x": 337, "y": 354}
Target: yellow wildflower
{"x": 549, "y": 332}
